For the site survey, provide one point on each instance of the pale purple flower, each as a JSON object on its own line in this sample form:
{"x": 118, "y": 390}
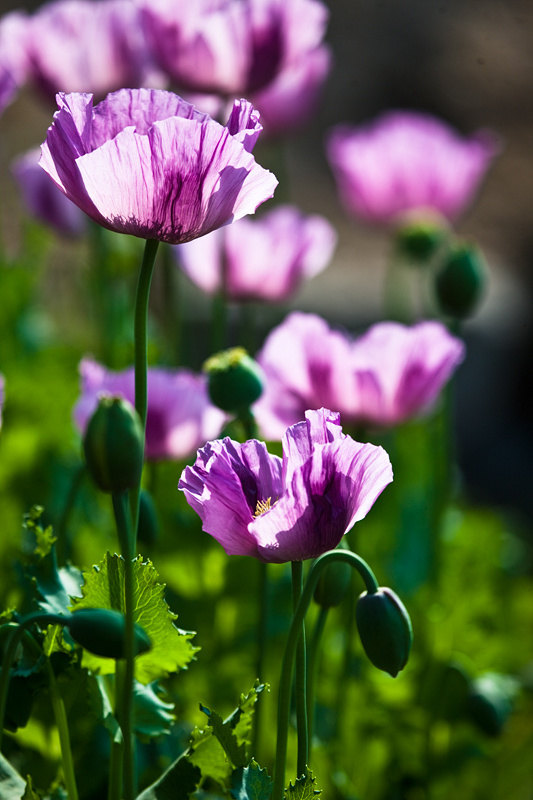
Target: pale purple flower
{"x": 387, "y": 376}
{"x": 44, "y": 200}
{"x": 180, "y": 416}
{"x": 13, "y": 56}
{"x": 290, "y": 509}
{"x": 271, "y": 50}
{"x": 95, "y": 46}
{"x": 145, "y": 162}
{"x": 404, "y": 162}
{"x": 263, "y": 259}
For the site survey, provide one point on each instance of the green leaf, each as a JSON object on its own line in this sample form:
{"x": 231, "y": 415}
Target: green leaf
{"x": 54, "y": 641}
{"x": 152, "y": 716}
{"x": 104, "y": 588}
{"x": 100, "y": 704}
{"x": 44, "y": 539}
{"x": 304, "y": 788}
{"x": 251, "y": 783}
{"x": 221, "y": 747}
{"x": 11, "y": 783}
{"x": 30, "y": 793}
{"x": 178, "y": 782}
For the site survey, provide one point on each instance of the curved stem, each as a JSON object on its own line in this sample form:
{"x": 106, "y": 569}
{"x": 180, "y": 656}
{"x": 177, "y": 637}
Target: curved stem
{"x": 312, "y": 669}
{"x": 300, "y": 687}
{"x": 293, "y": 638}
{"x": 141, "y": 354}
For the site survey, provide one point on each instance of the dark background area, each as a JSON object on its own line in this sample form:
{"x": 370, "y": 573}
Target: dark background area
{"x": 469, "y": 62}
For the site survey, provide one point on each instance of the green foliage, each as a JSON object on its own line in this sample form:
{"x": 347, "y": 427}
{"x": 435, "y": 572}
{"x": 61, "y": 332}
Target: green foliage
{"x": 251, "y": 783}
{"x": 303, "y": 788}
{"x": 104, "y": 588}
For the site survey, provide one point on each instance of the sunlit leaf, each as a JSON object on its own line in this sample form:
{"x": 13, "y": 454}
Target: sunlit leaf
{"x": 303, "y": 788}
{"x": 11, "y": 783}
{"x": 251, "y": 783}
{"x": 104, "y": 588}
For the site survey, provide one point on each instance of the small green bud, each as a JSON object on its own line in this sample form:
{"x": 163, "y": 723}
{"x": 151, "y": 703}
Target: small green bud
{"x": 461, "y": 281}
{"x": 102, "y": 631}
{"x": 385, "y": 629}
{"x": 148, "y": 530}
{"x": 235, "y": 380}
{"x": 491, "y": 701}
{"x": 419, "y": 240}
{"x": 333, "y": 582}
{"x": 113, "y": 445}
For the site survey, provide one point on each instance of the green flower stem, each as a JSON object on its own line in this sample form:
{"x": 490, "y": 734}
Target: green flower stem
{"x": 312, "y": 668}
{"x": 301, "y": 673}
{"x": 262, "y": 642}
{"x": 141, "y": 356}
{"x": 60, "y": 716}
{"x": 284, "y": 695}
{"x": 114, "y": 789}
{"x": 125, "y": 690}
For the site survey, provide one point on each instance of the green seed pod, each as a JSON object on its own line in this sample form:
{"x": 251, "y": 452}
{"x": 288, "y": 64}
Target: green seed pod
{"x": 385, "y": 629}
{"x": 461, "y": 281}
{"x": 491, "y": 701}
{"x": 419, "y": 240}
{"x": 333, "y": 582}
{"x": 148, "y": 531}
{"x": 102, "y": 631}
{"x": 113, "y": 445}
{"x": 235, "y": 380}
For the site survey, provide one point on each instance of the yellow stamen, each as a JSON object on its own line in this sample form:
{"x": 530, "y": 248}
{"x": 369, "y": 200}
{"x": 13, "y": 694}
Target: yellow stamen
{"x": 261, "y": 507}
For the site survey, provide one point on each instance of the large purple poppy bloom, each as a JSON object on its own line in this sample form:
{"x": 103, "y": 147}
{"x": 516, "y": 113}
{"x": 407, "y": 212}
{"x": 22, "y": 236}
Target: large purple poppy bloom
{"x": 405, "y": 162}
{"x": 180, "y": 415}
{"x": 290, "y": 509}
{"x": 147, "y": 163}
{"x": 263, "y": 259}
{"x": 387, "y": 376}
{"x": 271, "y": 51}
{"x": 95, "y": 46}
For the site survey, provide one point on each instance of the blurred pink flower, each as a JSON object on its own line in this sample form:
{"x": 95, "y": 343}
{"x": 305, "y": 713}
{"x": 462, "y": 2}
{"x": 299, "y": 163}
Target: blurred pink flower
{"x": 13, "y": 55}
{"x": 290, "y": 509}
{"x": 95, "y": 46}
{"x": 404, "y": 162}
{"x": 263, "y": 259}
{"x": 270, "y": 51}
{"x": 44, "y": 200}
{"x": 180, "y": 416}
{"x": 147, "y": 163}
{"x": 387, "y": 376}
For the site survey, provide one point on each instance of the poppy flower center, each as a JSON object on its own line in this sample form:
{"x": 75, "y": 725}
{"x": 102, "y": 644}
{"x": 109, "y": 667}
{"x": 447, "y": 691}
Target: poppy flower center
{"x": 262, "y": 506}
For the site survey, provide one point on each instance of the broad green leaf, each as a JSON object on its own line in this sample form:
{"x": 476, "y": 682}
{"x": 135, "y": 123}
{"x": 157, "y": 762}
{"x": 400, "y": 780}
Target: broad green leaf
{"x": 178, "y": 782}
{"x": 54, "y": 641}
{"x": 208, "y": 755}
{"x": 11, "y": 783}
{"x": 304, "y": 788}
{"x": 104, "y": 588}
{"x": 223, "y": 732}
{"x": 100, "y": 704}
{"x": 251, "y": 783}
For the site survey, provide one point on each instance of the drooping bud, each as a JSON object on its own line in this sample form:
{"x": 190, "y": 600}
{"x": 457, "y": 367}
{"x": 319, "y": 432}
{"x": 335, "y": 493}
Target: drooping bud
{"x": 491, "y": 701}
{"x": 235, "y": 380}
{"x": 419, "y": 240}
{"x": 102, "y": 631}
{"x": 461, "y": 281}
{"x": 333, "y": 582}
{"x": 113, "y": 445}
{"x": 385, "y": 629}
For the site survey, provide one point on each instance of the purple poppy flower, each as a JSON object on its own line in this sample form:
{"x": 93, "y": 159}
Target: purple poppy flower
{"x": 95, "y": 46}
{"x": 385, "y": 377}
{"x": 404, "y": 162}
{"x": 13, "y": 56}
{"x": 180, "y": 416}
{"x": 260, "y": 259}
{"x": 290, "y": 509}
{"x": 44, "y": 200}
{"x": 147, "y": 163}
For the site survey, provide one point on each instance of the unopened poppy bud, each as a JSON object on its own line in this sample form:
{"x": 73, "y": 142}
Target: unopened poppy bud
{"x": 385, "y": 629}
{"x": 148, "y": 530}
{"x": 235, "y": 380}
{"x": 419, "y": 240}
{"x": 491, "y": 701}
{"x": 102, "y": 631}
{"x": 460, "y": 283}
{"x": 113, "y": 445}
{"x": 333, "y": 582}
